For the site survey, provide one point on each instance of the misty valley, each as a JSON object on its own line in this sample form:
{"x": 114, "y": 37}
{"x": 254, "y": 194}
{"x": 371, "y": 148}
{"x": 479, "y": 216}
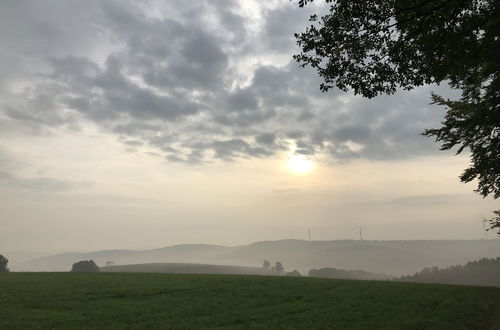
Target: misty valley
{"x": 359, "y": 259}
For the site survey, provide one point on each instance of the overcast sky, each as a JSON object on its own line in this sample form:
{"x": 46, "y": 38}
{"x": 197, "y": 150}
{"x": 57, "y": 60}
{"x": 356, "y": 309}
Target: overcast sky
{"x": 127, "y": 124}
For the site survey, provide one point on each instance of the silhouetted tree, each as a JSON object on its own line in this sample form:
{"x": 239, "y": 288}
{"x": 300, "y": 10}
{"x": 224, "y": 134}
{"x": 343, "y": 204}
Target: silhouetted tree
{"x": 278, "y": 267}
{"x": 495, "y": 221}
{"x": 375, "y": 47}
{"x": 85, "y": 266}
{"x": 109, "y": 263}
{"x": 480, "y": 272}
{"x": 266, "y": 264}
{"x": 3, "y": 264}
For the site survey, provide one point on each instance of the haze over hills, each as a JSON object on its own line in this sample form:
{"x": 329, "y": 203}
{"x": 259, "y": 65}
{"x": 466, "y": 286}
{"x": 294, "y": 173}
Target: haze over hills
{"x": 389, "y": 257}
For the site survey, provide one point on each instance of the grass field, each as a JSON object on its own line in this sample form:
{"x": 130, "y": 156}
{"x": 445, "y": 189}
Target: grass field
{"x": 130, "y": 301}
{"x": 185, "y": 268}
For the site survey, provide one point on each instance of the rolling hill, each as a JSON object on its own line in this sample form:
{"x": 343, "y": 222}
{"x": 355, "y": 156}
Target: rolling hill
{"x": 183, "y": 268}
{"x": 389, "y": 257}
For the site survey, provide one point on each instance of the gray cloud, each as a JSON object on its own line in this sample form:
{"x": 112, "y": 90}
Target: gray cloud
{"x": 281, "y": 23}
{"x": 266, "y": 138}
{"x": 171, "y": 82}
{"x": 229, "y": 149}
{"x": 47, "y": 184}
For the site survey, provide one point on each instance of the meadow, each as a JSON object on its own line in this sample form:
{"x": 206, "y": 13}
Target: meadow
{"x": 138, "y": 301}
{"x": 186, "y": 268}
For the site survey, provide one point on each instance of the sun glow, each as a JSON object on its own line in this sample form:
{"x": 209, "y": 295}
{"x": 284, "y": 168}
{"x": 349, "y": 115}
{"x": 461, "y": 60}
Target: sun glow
{"x": 300, "y": 164}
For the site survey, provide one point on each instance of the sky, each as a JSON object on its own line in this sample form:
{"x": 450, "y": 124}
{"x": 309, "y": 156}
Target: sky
{"x": 127, "y": 124}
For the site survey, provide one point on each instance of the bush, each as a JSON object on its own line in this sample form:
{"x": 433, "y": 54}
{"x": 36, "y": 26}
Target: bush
{"x": 85, "y": 266}
{"x": 3, "y": 264}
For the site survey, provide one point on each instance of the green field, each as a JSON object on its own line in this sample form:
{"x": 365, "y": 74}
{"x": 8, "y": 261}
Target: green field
{"x": 185, "y": 268}
{"x": 154, "y": 301}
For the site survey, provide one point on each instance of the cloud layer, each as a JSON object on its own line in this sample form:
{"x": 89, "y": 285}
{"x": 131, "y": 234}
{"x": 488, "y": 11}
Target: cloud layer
{"x": 195, "y": 81}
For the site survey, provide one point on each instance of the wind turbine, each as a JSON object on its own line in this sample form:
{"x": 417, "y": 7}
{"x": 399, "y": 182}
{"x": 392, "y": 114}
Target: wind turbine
{"x": 361, "y": 232}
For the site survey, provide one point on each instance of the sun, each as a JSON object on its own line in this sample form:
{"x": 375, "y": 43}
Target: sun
{"x": 300, "y": 164}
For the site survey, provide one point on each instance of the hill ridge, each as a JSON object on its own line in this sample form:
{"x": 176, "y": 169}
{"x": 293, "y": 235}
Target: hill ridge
{"x": 391, "y": 257}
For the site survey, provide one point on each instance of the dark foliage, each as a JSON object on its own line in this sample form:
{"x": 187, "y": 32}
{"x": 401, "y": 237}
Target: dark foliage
{"x": 495, "y": 222}
{"x": 85, "y": 266}
{"x": 481, "y": 272}
{"x": 475, "y": 126}
{"x": 376, "y": 47}
{"x": 3, "y": 264}
{"x": 266, "y": 264}
{"x": 278, "y": 267}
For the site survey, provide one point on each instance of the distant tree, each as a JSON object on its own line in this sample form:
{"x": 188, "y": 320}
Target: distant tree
{"x": 109, "y": 263}
{"x": 480, "y": 272}
{"x": 85, "y": 266}
{"x": 266, "y": 264}
{"x": 278, "y": 267}
{"x": 3, "y": 264}
{"x": 294, "y": 273}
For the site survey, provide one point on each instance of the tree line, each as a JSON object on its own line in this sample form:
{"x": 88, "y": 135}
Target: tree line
{"x": 481, "y": 272}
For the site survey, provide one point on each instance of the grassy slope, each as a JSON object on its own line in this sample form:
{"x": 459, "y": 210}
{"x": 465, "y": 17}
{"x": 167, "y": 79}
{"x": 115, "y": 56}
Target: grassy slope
{"x": 121, "y": 301}
{"x": 185, "y": 268}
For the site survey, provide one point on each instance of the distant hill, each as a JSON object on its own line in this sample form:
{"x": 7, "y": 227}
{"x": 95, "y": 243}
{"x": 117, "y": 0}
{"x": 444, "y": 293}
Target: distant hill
{"x": 388, "y": 257}
{"x": 348, "y": 274}
{"x": 183, "y": 268}
{"x": 176, "y": 253}
{"x": 482, "y": 272}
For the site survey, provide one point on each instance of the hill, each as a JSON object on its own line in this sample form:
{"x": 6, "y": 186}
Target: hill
{"x": 389, "y": 257}
{"x": 166, "y": 301}
{"x": 186, "y": 253}
{"x": 183, "y": 268}
{"x": 481, "y": 272}
{"x": 356, "y": 274}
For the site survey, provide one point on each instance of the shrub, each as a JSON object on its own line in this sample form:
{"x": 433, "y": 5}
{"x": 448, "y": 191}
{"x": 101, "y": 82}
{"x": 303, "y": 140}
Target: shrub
{"x": 85, "y": 266}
